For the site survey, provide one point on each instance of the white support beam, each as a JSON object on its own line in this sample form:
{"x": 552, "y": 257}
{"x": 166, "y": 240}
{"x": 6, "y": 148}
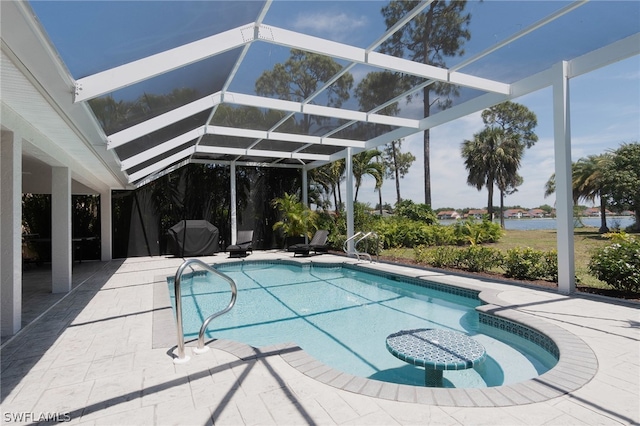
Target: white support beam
{"x": 141, "y": 174}
{"x": 479, "y": 83}
{"x": 311, "y": 44}
{"x": 163, "y": 120}
{"x": 160, "y": 63}
{"x": 61, "y": 244}
{"x": 523, "y": 32}
{"x": 604, "y": 56}
{"x": 305, "y": 187}
{"x": 106, "y": 242}
{"x": 358, "y": 55}
{"x": 474, "y": 105}
{"x": 157, "y": 175}
{"x": 309, "y": 157}
{"x": 11, "y": 232}
{"x": 407, "y": 66}
{"x": 162, "y": 148}
{"x": 564, "y": 198}
{"x": 393, "y": 121}
{"x": 324, "y": 111}
{"x": 248, "y": 163}
{"x": 221, "y": 150}
{"x": 292, "y": 137}
{"x": 343, "y": 142}
{"x": 260, "y": 153}
{"x": 233, "y": 207}
{"x": 349, "y": 197}
{"x": 261, "y": 102}
{"x": 236, "y": 132}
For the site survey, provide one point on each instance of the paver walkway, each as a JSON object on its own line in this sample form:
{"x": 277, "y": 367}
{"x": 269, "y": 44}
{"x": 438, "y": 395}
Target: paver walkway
{"x": 90, "y": 359}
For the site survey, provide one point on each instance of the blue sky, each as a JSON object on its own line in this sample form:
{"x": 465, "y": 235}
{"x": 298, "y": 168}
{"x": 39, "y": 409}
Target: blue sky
{"x": 605, "y": 104}
{"x": 605, "y": 112}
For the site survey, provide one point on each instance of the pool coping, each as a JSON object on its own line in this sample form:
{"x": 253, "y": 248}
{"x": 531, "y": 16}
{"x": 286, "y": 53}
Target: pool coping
{"x": 577, "y": 363}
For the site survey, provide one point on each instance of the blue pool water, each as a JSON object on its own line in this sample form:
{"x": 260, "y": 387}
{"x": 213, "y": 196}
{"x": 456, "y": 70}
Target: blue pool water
{"x": 342, "y": 317}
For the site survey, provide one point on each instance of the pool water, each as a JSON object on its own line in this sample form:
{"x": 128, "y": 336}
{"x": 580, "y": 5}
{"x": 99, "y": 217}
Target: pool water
{"x": 342, "y": 317}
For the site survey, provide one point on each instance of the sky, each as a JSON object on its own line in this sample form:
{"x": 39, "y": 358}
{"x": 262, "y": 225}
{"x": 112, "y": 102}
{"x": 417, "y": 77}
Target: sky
{"x": 605, "y": 104}
{"x": 605, "y": 112}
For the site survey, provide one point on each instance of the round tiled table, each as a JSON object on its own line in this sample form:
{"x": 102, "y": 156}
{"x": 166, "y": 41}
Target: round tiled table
{"x": 436, "y": 350}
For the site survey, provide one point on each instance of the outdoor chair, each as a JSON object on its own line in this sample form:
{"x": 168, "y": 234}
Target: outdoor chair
{"x": 244, "y": 244}
{"x": 318, "y": 244}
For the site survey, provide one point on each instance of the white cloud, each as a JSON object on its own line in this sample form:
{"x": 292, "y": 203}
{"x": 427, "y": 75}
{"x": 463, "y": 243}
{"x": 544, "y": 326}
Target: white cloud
{"x": 335, "y": 26}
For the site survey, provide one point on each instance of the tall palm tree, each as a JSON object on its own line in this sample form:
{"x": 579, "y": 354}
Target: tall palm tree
{"x": 327, "y": 179}
{"x": 365, "y": 163}
{"x": 586, "y": 183}
{"x": 492, "y": 157}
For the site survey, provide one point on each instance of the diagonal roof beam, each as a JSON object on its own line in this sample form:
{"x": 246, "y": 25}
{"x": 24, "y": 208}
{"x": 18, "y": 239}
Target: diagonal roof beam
{"x": 160, "y": 63}
{"x": 161, "y": 164}
{"x": 163, "y": 120}
{"x": 133, "y": 72}
{"x": 321, "y": 46}
{"x": 531, "y": 28}
{"x": 240, "y": 60}
{"x": 243, "y": 152}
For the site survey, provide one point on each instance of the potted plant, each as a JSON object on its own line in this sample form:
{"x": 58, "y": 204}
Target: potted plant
{"x": 298, "y": 220}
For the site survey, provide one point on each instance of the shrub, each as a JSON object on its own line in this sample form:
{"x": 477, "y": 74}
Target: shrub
{"x": 480, "y": 259}
{"x": 550, "y": 261}
{"x": 523, "y": 263}
{"x": 619, "y": 263}
{"x": 473, "y": 258}
{"x": 472, "y": 232}
{"x": 438, "y": 257}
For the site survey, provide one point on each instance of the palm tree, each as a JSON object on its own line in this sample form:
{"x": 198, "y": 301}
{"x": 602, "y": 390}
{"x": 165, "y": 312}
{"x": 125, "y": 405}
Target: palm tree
{"x": 586, "y": 183}
{"x": 492, "y": 157}
{"x": 328, "y": 178}
{"x": 297, "y": 218}
{"x": 365, "y": 163}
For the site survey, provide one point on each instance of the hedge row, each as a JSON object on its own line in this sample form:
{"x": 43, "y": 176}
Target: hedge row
{"x": 517, "y": 263}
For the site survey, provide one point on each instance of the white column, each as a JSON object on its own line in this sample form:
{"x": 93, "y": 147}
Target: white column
{"x": 305, "y": 187}
{"x": 233, "y": 212}
{"x": 349, "y": 196}
{"x": 305, "y": 196}
{"x": 11, "y": 232}
{"x": 61, "y": 245}
{"x": 106, "y": 236}
{"x": 564, "y": 197}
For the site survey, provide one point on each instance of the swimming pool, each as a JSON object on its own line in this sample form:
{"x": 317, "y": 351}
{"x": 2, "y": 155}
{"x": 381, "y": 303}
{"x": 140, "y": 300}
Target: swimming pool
{"x": 341, "y": 315}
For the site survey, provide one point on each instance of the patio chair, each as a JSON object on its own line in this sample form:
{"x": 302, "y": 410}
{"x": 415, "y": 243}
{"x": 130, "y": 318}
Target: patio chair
{"x": 244, "y": 244}
{"x": 318, "y": 244}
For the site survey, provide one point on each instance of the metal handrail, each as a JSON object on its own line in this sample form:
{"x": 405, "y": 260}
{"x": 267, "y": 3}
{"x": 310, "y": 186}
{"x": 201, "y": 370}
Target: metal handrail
{"x": 359, "y": 254}
{"x": 365, "y": 237}
{"x": 344, "y": 246}
{"x": 234, "y": 294}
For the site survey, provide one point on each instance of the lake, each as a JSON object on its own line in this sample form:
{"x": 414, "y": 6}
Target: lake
{"x": 550, "y": 223}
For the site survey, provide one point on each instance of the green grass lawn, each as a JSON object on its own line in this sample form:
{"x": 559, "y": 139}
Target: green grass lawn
{"x": 585, "y": 241}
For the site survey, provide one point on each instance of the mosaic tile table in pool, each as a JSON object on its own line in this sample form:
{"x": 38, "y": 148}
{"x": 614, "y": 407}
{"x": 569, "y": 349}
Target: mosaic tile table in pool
{"x": 436, "y": 350}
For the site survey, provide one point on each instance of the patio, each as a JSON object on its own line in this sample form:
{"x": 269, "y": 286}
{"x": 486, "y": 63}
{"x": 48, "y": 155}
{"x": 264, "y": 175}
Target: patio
{"x": 91, "y": 358}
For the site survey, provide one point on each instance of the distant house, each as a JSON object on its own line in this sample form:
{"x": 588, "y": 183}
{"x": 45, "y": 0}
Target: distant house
{"x": 591, "y": 212}
{"x": 476, "y": 214}
{"x": 595, "y": 212}
{"x": 515, "y": 214}
{"x": 537, "y": 213}
{"x": 448, "y": 214}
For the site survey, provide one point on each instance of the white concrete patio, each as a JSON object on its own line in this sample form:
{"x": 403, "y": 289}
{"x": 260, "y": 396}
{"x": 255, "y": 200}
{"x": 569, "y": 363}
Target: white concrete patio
{"x": 91, "y": 358}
